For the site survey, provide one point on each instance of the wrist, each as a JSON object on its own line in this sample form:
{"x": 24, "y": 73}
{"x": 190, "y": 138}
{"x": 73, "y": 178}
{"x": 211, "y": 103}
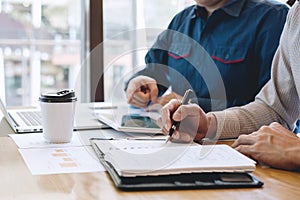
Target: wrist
{"x": 207, "y": 128}
{"x": 211, "y": 126}
{"x": 292, "y": 154}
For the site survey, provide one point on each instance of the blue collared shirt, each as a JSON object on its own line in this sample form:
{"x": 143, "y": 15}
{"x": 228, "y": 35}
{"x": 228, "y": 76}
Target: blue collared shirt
{"x": 241, "y": 38}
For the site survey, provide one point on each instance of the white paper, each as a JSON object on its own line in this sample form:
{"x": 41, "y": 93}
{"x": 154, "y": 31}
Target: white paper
{"x": 42, "y": 157}
{"x": 60, "y": 160}
{"x": 36, "y": 140}
{"x": 80, "y": 138}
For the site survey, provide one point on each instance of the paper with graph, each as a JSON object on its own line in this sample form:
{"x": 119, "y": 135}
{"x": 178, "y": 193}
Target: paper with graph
{"x": 42, "y": 157}
{"x": 60, "y": 160}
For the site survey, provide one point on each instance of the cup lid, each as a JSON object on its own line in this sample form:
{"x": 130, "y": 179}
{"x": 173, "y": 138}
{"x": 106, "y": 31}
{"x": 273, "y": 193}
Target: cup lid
{"x": 60, "y": 96}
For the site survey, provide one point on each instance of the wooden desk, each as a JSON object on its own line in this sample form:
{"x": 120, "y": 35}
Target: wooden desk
{"x": 16, "y": 182}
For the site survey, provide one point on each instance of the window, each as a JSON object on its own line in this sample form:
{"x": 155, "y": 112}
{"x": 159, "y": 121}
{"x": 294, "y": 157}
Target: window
{"x": 40, "y": 48}
{"x": 46, "y": 42}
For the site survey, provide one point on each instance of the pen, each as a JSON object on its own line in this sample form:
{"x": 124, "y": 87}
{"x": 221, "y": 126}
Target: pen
{"x": 187, "y": 95}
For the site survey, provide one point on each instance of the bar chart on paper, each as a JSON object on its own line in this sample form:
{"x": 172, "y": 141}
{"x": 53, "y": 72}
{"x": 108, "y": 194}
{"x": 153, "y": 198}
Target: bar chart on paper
{"x": 64, "y": 159}
{"x": 60, "y": 160}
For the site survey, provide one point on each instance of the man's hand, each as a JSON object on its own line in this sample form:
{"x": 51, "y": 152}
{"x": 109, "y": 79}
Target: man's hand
{"x": 163, "y": 100}
{"x": 272, "y": 145}
{"x": 194, "y": 123}
{"x": 141, "y": 90}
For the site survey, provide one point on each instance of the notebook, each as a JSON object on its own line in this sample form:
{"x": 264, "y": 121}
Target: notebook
{"x": 29, "y": 120}
{"x": 143, "y": 165}
{"x": 127, "y": 119}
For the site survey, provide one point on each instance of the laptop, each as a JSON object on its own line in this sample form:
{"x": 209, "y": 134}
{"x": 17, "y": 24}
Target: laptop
{"x": 29, "y": 120}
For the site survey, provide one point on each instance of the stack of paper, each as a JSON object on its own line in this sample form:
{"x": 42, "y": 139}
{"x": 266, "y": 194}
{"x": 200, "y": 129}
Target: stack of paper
{"x": 142, "y": 158}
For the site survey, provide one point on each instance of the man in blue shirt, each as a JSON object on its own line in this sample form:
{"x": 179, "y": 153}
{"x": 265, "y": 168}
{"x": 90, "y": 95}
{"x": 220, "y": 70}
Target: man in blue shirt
{"x": 240, "y": 36}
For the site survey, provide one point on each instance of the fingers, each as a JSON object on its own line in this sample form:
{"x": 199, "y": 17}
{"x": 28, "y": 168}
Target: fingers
{"x": 182, "y": 137}
{"x": 163, "y": 100}
{"x": 244, "y": 140}
{"x": 187, "y": 110}
{"x": 154, "y": 107}
{"x": 161, "y": 125}
{"x": 166, "y": 112}
{"x": 131, "y": 89}
{"x": 279, "y": 129}
{"x": 140, "y": 99}
{"x": 274, "y": 130}
{"x": 265, "y": 133}
{"x": 245, "y": 149}
{"x": 153, "y": 92}
{"x": 267, "y": 145}
{"x": 177, "y": 137}
{"x": 140, "y": 90}
{"x": 187, "y": 115}
{"x": 245, "y": 144}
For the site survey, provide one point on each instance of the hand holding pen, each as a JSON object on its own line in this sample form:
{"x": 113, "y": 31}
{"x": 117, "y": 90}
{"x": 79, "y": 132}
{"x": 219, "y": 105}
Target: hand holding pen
{"x": 187, "y": 96}
{"x": 141, "y": 90}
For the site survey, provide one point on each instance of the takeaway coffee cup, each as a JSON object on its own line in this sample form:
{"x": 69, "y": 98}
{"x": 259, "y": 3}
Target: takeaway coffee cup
{"x": 58, "y": 111}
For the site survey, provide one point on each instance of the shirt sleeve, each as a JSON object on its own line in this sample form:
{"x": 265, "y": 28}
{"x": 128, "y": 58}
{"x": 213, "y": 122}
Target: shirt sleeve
{"x": 267, "y": 41}
{"x": 278, "y": 100}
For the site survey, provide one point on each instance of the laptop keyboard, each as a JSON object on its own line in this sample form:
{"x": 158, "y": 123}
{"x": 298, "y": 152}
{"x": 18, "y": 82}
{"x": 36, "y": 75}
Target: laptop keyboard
{"x": 32, "y": 118}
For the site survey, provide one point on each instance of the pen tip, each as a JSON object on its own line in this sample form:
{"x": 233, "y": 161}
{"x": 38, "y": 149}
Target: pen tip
{"x": 168, "y": 139}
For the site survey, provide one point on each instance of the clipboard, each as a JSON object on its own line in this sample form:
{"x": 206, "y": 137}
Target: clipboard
{"x": 205, "y": 180}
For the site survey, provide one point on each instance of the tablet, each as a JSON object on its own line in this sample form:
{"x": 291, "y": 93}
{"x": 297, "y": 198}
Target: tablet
{"x": 130, "y": 121}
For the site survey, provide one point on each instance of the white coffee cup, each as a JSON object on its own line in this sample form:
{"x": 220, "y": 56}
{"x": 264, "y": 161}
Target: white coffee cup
{"x": 58, "y": 111}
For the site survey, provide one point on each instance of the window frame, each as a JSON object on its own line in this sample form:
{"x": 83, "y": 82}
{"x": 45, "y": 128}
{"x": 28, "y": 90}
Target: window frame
{"x": 94, "y": 40}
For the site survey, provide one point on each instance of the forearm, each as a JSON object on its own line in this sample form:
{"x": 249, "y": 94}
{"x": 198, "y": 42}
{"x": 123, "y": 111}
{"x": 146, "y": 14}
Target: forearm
{"x": 232, "y": 122}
